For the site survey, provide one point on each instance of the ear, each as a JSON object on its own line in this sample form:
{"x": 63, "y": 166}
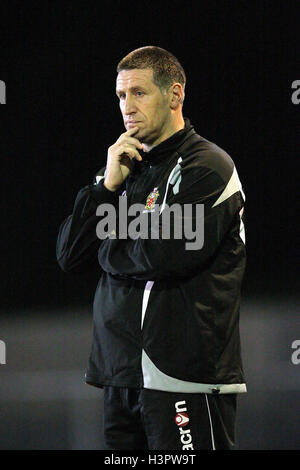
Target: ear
{"x": 176, "y": 95}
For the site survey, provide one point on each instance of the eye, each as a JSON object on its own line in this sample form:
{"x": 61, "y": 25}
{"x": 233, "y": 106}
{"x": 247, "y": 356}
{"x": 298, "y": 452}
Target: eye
{"x": 140, "y": 93}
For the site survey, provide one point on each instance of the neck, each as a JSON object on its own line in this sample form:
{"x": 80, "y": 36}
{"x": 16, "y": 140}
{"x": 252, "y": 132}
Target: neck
{"x": 176, "y": 125}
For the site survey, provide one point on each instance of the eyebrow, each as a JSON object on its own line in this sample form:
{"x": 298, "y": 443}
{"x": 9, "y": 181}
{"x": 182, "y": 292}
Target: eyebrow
{"x": 134, "y": 88}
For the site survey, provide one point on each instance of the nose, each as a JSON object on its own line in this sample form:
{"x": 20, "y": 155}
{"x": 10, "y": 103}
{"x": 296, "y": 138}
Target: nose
{"x": 129, "y": 105}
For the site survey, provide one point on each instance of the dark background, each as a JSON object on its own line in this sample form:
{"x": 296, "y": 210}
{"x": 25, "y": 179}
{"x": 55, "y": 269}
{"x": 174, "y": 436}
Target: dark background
{"x": 58, "y": 61}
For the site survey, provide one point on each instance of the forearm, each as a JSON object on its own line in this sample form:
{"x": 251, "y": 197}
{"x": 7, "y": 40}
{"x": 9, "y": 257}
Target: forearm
{"x": 77, "y": 239}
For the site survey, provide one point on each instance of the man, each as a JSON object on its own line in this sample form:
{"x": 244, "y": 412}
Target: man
{"x": 166, "y": 345}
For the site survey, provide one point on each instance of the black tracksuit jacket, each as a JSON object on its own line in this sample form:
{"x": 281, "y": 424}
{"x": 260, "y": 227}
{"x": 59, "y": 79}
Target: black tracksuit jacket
{"x": 166, "y": 317}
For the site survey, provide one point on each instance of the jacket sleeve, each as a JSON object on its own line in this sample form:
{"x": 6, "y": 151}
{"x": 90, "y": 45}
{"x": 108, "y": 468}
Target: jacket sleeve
{"x": 77, "y": 241}
{"x": 156, "y": 258}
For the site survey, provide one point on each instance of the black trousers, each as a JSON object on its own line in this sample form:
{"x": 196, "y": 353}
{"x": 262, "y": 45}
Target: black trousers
{"x": 142, "y": 419}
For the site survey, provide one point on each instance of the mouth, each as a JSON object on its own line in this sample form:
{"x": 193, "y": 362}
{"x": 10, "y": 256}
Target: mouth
{"x": 132, "y": 123}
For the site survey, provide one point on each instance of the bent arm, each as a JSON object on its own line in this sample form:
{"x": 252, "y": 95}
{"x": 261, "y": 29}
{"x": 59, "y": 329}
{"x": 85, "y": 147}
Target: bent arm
{"x": 156, "y": 259}
{"x": 77, "y": 241}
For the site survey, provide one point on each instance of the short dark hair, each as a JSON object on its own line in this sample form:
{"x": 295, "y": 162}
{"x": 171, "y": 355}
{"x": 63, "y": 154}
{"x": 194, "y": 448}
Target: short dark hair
{"x": 166, "y": 68}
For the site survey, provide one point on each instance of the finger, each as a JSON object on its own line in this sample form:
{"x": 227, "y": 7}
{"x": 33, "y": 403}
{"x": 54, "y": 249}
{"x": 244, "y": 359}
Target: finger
{"x": 133, "y": 141}
{"x": 131, "y": 151}
{"x": 133, "y": 154}
{"x": 127, "y": 135}
{"x": 131, "y": 131}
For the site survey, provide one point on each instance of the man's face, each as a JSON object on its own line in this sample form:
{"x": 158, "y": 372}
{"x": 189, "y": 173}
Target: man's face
{"x": 143, "y": 105}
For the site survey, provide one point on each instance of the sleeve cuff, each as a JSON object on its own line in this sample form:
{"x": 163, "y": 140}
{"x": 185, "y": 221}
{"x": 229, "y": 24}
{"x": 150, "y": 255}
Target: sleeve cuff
{"x": 101, "y": 194}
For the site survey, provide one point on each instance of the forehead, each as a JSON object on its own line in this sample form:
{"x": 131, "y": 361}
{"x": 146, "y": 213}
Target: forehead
{"x": 133, "y": 78}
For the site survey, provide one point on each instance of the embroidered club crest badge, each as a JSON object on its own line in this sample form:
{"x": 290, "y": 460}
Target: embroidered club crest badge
{"x": 150, "y": 203}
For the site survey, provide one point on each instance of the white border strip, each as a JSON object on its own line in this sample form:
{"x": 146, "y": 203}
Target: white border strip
{"x": 155, "y": 379}
{"x": 147, "y": 290}
{"x": 168, "y": 182}
{"x": 211, "y": 426}
{"x": 232, "y": 187}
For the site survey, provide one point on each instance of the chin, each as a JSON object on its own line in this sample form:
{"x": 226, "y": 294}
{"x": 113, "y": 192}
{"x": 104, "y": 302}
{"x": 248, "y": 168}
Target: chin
{"x": 140, "y": 135}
